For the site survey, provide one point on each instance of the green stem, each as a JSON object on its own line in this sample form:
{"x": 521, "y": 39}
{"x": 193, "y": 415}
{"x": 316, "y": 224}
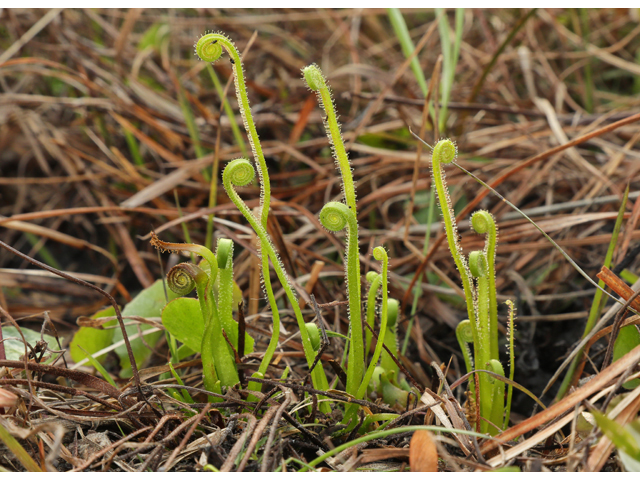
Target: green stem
{"x": 314, "y": 78}
{"x": 391, "y": 340}
{"x": 497, "y": 397}
{"x": 464, "y": 334}
{"x": 240, "y": 172}
{"x": 512, "y": 367}
{"x": 445, "y": 152}
{"x": 336, "y": 216}
{"x": 224, "y": 253}
{"x": 380, "y": 254}
{"x": 483, "y": 223}
{"x": 479, "y": 269}
{"x": 209, "y": 48}
{"x": 375, "y": 281}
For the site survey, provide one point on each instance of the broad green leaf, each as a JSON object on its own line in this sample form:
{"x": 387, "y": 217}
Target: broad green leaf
{"x": 14, "y": 348}
{"x": 626, "y": 439}
{"x": 148, "y": 303}
{"x": 628, "y": 339}
{"x": 93, "y": 340}
{"x": 183, "y": 319}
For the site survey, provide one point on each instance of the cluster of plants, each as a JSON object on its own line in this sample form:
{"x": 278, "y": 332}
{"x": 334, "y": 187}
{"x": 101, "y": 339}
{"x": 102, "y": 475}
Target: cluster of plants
{"x": 206, "y": 324}
{"x": 213, "y": 276}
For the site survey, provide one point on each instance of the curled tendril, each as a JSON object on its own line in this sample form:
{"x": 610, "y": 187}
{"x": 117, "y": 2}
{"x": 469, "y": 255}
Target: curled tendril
{"x": 464, "y": 331}
{"x": 371, "y": 276}
{"x": 182, "y": 278}
{"x": 204, "y": 252}
{"x": 482, "y": 222}
{"x": 478, "y": 264}
{"x": 380, "y": 254}
{"x": 336, "y": 215}
{"x": 239, "y": 172}
{"x": 445, "y": 151}
{"x": 208, "y": 48}
{"x": 314, "y": 78}
{"x": 245, "y": 110}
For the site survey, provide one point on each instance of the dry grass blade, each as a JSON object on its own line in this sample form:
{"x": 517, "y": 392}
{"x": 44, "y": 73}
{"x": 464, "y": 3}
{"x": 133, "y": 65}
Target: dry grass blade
{"x": 606, "y": 377}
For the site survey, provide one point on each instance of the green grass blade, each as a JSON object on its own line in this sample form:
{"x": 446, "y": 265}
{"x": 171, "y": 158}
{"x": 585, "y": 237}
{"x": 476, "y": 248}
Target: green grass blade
{"x": 185, "y": 395}
{"x": 450, "y": 55}
{"x": 17, "y": 449}
{"x": 619, "y": 435}
{"x": 132, "y": 143}
{"x": 386, "y": 433}
{"x": 402, "y": 32}
{"x": 98, "y": 366}
{"x": 43, "y": 251}
{"x": 598, "y": 300}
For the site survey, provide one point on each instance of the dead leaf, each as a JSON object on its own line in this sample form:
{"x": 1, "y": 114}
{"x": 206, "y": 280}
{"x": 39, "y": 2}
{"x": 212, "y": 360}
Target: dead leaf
{"x": 8, "y": 399}
{"x": 423, "y": 454}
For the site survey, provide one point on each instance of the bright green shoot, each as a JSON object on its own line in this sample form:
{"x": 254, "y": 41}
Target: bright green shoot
{"x": 380, "y": 254}
{"x": 445, "y": 152}
{"x": 483, "y": 223}
{"x": 391, "y": 341}
{"x": 239, "y": 173}
{"x": 375, "y": 280}
{"x": 218, "y": 362}
{"x": 209, "y": 48}
{"x": 478, "y": 281}
{"x": 315, "y": 80}
{"x": 335, "y": 216}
